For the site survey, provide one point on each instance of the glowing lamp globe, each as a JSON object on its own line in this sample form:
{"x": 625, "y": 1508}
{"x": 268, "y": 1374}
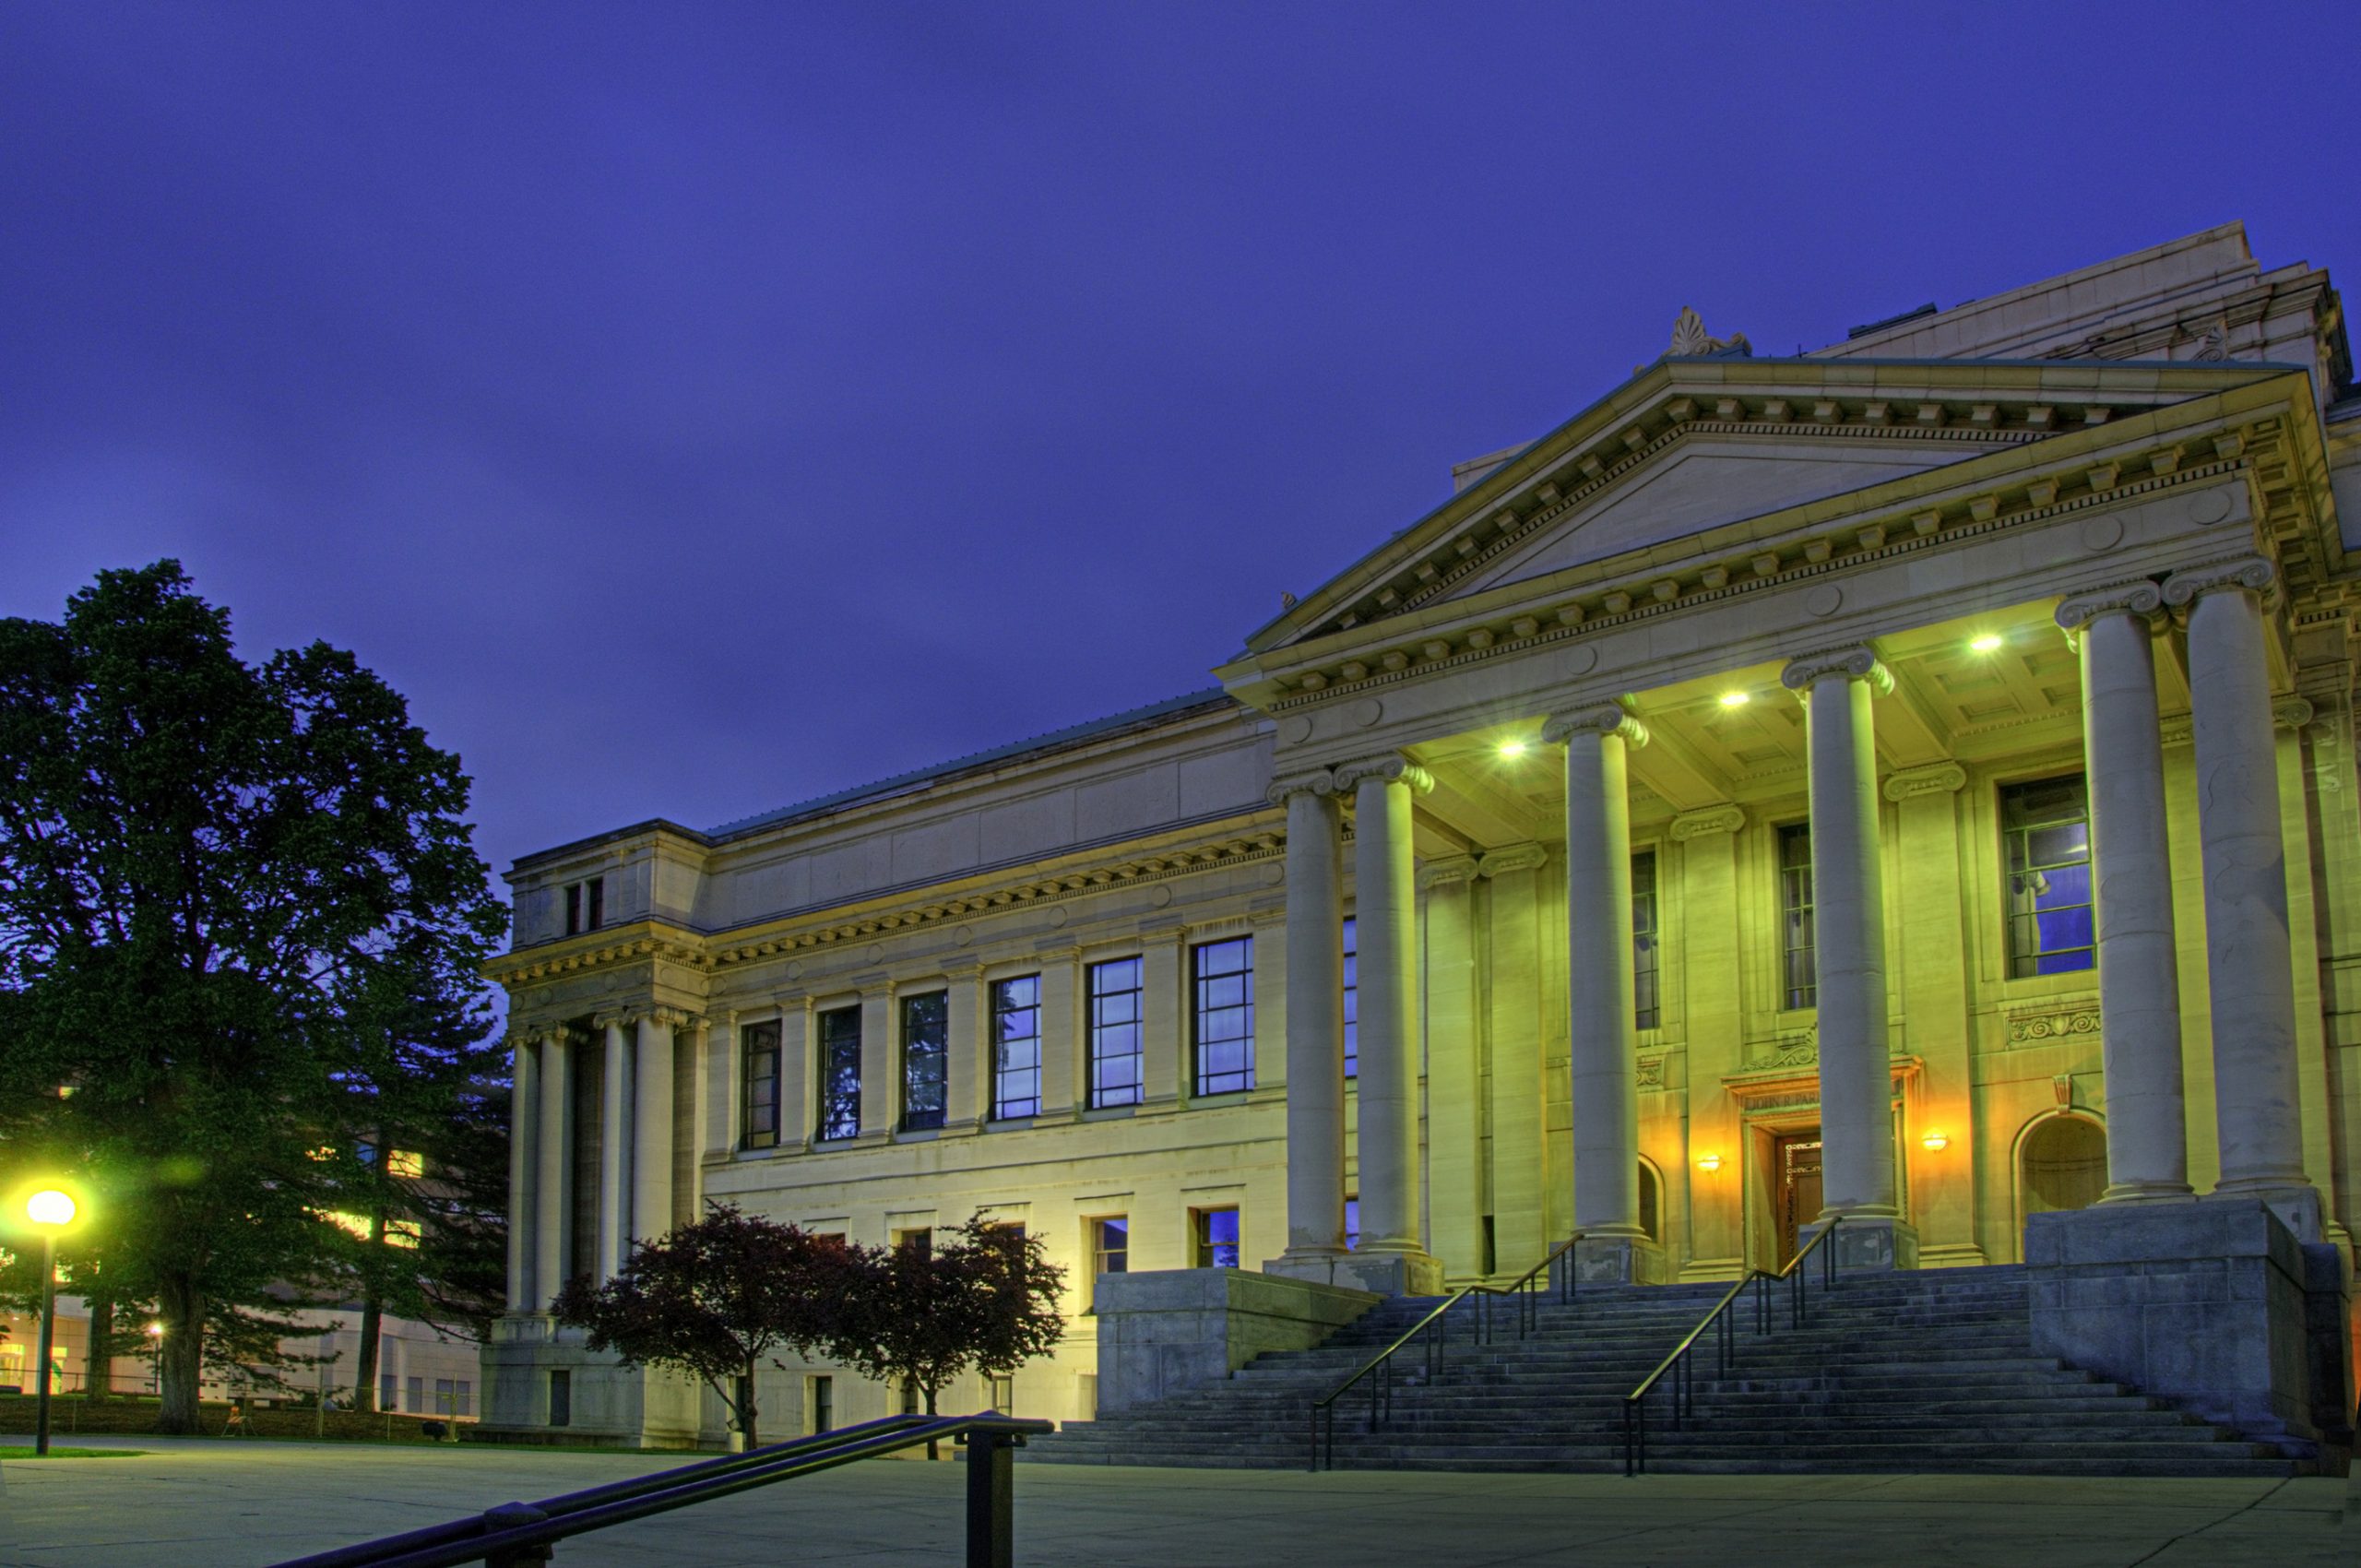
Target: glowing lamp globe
{"x": 50, "y": 1207}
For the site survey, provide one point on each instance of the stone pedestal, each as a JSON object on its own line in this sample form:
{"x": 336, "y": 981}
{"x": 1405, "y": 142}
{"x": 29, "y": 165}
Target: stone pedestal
{"x": 612, "y": 1405}
{"x": 1390, "y": 1274}
{"x": 2211, "y": 1304}
{"x": 1164, "y": 1331}
{"x": 1865, "y": 1241}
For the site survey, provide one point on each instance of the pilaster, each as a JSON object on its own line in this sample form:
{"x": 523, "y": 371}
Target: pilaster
{"x": 1454, "y": 1085}
{"x": 1525, "y": 1164}
{"x": 1712, "y": 996}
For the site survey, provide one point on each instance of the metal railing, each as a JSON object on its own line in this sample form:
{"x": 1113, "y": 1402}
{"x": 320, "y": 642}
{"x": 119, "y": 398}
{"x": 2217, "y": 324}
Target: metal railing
{"x": 1378, "y": 1371}
{"x": 516, "y": 1534}
{"x": 1678, "y": 1368}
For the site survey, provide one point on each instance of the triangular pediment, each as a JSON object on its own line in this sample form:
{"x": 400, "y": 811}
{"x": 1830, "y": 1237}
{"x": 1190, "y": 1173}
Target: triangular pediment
{"x": 1690, "y": 446}
{"x": 1701, "y": 485}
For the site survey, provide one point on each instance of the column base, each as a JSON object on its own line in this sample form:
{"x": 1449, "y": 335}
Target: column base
{"x": 1318, "y": 1264}
{"x": 1613, "y": 1260}
{"x": 1867, "y": 1241}
{"x": 1389, "y": 1274}
{"x": 2149, "y": 1193}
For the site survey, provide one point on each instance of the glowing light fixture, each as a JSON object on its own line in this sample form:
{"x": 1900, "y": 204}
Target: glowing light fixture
{"x": 1736, "y": 700}
{"x": 1514, "y": 748}
{"x": 1709, "y": 1163}
{"x": 1935, "y": 1143}
{"x": 50, "y": 1207}
{"x": 52, "y": 1211}
{"x": 154, "y": 1331}
{"x": 1989, "y": 643}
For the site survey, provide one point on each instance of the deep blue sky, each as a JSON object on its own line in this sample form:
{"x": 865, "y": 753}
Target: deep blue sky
{"x": 694, "y": 408}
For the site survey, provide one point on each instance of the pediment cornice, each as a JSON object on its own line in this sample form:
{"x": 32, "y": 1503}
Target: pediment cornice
{"x": 1978, "y": 406}
{"x": 2244, "y": 430}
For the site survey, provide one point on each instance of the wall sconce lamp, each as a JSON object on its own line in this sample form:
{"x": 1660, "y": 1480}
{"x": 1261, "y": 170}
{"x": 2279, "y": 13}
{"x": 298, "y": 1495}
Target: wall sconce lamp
{"x": 1935, "y": 1143}
{"x": 1709, "y": 1163}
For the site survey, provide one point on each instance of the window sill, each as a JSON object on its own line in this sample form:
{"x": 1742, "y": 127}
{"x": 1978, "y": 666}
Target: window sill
{"x": 1010, "y": 1123}
{"x": 1107, "y": 1113}
{"x": 2058, "y": 984}
{"x": 916, "y": 1134}
{"x": 1224, "y": 1098}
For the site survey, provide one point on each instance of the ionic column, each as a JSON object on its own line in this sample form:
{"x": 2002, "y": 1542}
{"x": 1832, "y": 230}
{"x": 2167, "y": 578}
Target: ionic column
{"x": 2248, "y": 952}
{"x": 2123, "y": 755}
{"x": 1603, "y": 1037}
{"x": 1391, "y": 1254}
{"x": 1315, "y": 1028}
{"x": 524, "y": 1110}
{"x": 553, "y": 1191}
{"x": 651, "y": 1152}
{"x": 1848, "y": 894}
{"x": 614, "y": 1147}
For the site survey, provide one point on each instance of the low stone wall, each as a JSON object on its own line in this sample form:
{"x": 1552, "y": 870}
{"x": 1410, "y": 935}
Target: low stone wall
{"x": 72, "y": 1414}
{"x": 2213, "y": 1304}
{"x": 1164, "y": 1331}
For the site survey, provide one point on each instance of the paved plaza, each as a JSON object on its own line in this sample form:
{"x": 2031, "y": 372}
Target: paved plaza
{"x": 199, "y": 1504}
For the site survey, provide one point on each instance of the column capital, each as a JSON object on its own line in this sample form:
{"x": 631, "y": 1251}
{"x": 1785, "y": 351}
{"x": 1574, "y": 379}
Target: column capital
{"x": 2292, "y": 713}
{"x": 2252, "y": 572}
{"x": 2141, "y": 597}
{"x": 1516, "y": 858}
{"x": 1934, "y": 778}
{"x": 1711, "y": 820}
{"x": 1858, "y": 662}
{"x": 1446, "y": 870}
{"x": 1319, "y": 782}
{"x": 1394, "y": 768}
{"x": 1603, "y": 718}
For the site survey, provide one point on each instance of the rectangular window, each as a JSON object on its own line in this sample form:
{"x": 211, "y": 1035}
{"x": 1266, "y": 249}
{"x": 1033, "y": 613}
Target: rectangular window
{"x": 446, "y": 1398}
{"x": 1016, "y": 1048}
{"x": 1352, "y": 1223}
{"x": 574, "y": 908}
{"x": 561, "y": 1398}
{"x": 385, "y": 1385}
{"x": 585, "y": 905}
{"x": 1004, "y": 1394}
{"x": 1224, "y": 1016}
{"x": 758, "y": 1053}
{"x": 2046, "y": 827}
{"x": 1116, "y": 1054}
{"x": 909, "y": 1398}
{"x": 839, "y": 1073}
{"x": 926, "y": 1054}
{"x": 467, "y": 1405}
{"x": 1110, "y": 1249}
{"x": 921, "y": 1239}
{"x": 1801, "y": 985}
{"x": 1645, "y": 1007}
{"x": 1352, "y": 998}
{"x": 414, "y": 1394}
{"x": 1215, "y": 1233}
{"x": 824, "y": 1403}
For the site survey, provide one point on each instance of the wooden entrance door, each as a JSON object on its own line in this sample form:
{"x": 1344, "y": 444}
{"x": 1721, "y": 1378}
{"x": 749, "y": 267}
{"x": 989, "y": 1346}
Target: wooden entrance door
{"x": 1796, "y": 1174}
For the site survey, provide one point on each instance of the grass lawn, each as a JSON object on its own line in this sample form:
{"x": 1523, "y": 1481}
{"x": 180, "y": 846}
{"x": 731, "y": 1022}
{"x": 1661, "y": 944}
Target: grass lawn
{"x": 57, "y": 1453}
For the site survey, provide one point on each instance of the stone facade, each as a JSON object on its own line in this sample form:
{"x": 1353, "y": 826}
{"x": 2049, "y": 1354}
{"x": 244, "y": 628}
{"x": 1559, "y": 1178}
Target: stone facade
{"x": 1669, "y": 774}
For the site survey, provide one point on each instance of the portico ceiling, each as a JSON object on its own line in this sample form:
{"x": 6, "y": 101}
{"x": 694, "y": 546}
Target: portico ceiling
{"x": 1964, "y": 690}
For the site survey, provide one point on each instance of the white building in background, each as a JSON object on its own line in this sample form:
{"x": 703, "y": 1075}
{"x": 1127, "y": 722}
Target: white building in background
{"x": 1693, "y": 829}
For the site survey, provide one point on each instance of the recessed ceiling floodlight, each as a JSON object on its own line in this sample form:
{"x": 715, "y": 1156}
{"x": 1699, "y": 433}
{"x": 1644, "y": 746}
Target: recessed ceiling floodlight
{"x": 1736, "y": 700}
{"x": 1989, "y": 643}
{"x": 1514, "y": 748}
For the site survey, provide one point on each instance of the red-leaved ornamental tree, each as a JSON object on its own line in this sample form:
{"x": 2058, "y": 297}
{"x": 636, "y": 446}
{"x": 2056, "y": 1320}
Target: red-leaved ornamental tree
{"x": 717, "y": 1299}
{"x": 987, "y": 1298}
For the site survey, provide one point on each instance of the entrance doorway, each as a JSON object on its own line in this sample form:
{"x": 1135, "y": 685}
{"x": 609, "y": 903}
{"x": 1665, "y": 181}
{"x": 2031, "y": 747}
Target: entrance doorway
{"x": 1795, "y": 1165}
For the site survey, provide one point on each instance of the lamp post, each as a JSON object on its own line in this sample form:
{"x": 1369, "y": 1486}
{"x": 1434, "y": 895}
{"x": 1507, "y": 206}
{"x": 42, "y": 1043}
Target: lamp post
{"x": 50, "y": 1211}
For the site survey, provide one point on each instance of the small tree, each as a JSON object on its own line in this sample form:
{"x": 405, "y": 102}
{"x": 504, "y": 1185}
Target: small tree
{"x": 986, "y": 1299}
{"x": 716, "y": 1299}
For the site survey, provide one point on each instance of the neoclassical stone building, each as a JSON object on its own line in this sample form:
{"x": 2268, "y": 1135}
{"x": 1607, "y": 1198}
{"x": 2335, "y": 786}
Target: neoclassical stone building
{"x": 1911, "y": 781}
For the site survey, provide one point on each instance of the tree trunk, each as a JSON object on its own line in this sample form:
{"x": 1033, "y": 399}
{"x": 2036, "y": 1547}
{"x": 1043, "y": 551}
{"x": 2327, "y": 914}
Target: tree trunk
{"x": 98, "y": 1364}
{"x": 746, "y": 1409}
{"x": 182, "y": 1355}
{"x": 364, "y": 1364}
{"x": 932, "y": 1450}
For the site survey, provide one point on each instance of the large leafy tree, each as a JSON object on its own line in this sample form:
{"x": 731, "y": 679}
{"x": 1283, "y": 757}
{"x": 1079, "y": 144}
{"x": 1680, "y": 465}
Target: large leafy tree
{"x": 202, "y": 862}
{"x": 716, "y": 1299}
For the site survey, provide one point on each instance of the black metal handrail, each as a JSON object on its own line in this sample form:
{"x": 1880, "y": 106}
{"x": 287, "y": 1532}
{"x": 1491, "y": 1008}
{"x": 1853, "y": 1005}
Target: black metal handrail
{"x": 1437, "y": 1327}
{"x": 1682, "y": 1388}
{"x": 516, "y": 1534}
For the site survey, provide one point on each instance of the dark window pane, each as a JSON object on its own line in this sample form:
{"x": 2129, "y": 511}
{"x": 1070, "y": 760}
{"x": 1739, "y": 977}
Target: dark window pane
{"x": 2047, "y": 839}
{"x": 926, "y": 1049}
{"x": 1795, "y": 901}
{"x": 1646, "y": 1012}
{"x": 1016, "y": 1048}
{"x": 839, "y": 1073}
{"x": 1115, "y": 1045}
{"x": 1216, "y": 1238}
{"x": 1223, "y": 1018}
{"x": 759, "y": 1047}
{"x": 1352, "y": 998}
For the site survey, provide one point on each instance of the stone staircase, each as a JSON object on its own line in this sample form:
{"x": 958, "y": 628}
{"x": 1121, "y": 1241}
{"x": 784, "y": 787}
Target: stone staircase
{"x": 1902, "y": 1371}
